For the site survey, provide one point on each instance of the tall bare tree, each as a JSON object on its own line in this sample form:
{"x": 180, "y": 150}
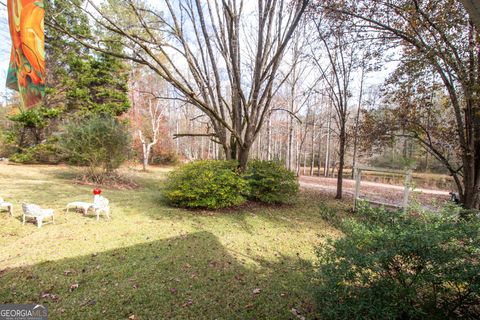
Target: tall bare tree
{"x": 436, "y": 36}
{"x": 221, "y": 56}
{"x": 154, "y": 115}
{"x": 336, "y": 68}
{"x": 147, "y": 109}
{"x": 363, "y": 70}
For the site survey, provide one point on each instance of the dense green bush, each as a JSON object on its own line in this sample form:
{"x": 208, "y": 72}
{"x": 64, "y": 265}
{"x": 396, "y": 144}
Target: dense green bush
{"x": 206, "y": 184}
{"x": 99, "y": 141}
{"x": 42, "y": 153}
{"x": 26, "y": 135}
{"x": 7, "y": 143}
{"x": 401, "y": 267}
{"x": 270, "y": 182}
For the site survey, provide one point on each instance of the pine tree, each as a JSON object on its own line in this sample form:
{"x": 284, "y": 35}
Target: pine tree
{"x": 98, "y": 85}
{"x": 79, "y": 80}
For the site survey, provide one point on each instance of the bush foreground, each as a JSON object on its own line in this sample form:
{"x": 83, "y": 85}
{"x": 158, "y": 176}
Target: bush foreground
{"x": 401, "y": 267}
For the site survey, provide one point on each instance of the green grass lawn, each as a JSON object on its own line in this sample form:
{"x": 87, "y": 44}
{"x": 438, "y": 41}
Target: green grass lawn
{"x": 153, "y": 261}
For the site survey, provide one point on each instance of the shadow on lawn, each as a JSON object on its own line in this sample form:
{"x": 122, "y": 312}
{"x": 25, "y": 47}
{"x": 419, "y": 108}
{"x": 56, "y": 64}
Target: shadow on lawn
{"x": 68, "y": 173}
{"x": 191, "y": 276}
{"x": 307, "y": 211}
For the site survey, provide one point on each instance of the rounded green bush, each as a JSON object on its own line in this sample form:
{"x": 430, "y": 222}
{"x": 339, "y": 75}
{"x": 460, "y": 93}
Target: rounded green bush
{"x": 98, "y": 141}
{"x": 210, "y": 184}
{"x": 270, "y": 182}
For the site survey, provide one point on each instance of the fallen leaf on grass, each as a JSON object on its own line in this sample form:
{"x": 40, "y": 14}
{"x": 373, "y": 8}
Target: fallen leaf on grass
{"x": 257, "y": 291}
{"x": 47, "y": 295}
{"x": 187, "y": 303}
{"x": 69, "y": 272}
{"x": 132, "y": 317}
{"x": 73, "y": 286}
{"x": 90, "y": 302}
{"x": 239, "y": 277}
{"x": 297, "y": 314}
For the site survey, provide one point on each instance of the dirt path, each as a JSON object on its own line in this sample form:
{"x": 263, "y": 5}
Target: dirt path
{"x": 375, "y": 191}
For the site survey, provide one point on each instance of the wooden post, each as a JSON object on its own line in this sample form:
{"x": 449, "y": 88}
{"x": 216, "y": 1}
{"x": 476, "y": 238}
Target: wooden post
{"x": 357, "y": 173}
{"x": 406, "y": 191}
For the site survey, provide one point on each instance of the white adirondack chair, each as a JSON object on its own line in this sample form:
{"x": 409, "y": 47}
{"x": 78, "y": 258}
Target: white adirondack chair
{"x": 101, "y": 204}
{"x": 8, "y": 205}
{"x": 34, "y": 211}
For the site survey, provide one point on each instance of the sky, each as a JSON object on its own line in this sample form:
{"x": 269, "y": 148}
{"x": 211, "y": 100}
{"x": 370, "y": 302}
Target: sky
{"x": 5, "y": 45}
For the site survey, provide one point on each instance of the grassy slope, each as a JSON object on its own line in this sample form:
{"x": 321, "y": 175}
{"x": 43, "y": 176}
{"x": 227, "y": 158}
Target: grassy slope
{"x": 153, "y": 261}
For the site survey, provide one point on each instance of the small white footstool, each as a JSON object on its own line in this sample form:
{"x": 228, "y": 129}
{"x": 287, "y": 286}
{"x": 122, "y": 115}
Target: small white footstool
{"x": 80, "y": 204}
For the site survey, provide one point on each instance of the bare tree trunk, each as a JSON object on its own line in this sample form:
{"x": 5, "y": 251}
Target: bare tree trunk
{"x": 297, "y": 154}
{"x": 319, "y": 160}
{"x": 243, "y": 158}
{"x": 278, "y": 147}
{"x": 302, "y": 148}
{"x": 269, "y": 138}
{"x": 275, "y": 152}
{"x": 145, "y": 156}
{"x": 341, "y": 162}
{"x": 290, "y": 144}
{"x": 259, "y": 147}
{"x": 357, "y": 117}
{"x": 304, "y": 161}
{"x": 312, "y": 150}
{"x": 177, "y": 131}
{"x": 329, "y": 133}
{"x": 208, "y": 148}
{"x": 333, "y": 161}
{"x": 146, "y": 148}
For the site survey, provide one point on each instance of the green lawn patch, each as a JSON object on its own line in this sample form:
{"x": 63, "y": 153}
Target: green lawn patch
{"x": 153, "y": 261}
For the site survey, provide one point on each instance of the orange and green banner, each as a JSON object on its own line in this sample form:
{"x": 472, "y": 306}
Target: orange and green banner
{"x": 26, "y": 72}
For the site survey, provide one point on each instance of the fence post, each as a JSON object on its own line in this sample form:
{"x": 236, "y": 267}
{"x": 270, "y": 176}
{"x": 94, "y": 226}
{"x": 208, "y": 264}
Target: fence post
{"x": 357, "y": 173}
{"x": 406, "y": 191}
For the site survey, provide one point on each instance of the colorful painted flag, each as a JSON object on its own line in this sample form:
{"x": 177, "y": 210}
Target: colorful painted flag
{"x": 26, "y": 72}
